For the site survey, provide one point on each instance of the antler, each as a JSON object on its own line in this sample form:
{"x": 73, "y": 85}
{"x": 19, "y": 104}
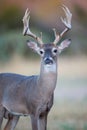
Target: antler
{"x": 67, "y": 23}
{"x": 26, "y": 30}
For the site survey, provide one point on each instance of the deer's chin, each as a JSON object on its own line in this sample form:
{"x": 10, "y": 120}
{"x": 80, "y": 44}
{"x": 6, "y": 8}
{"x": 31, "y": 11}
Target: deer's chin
{"x": 50, "y": 64}
{"x": 50, "y": 68}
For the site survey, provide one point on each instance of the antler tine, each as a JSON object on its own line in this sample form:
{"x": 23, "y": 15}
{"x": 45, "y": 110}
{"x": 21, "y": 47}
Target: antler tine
{"x": 66, "y": 21}
{"x": 26, "y": 30}
{"x": 56, "y": 36}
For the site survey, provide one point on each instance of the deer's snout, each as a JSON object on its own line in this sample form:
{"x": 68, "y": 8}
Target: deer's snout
{"x": 48, "y": 61}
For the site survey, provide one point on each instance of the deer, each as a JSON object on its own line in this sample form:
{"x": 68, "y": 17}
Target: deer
{"x": 33, "y": 96}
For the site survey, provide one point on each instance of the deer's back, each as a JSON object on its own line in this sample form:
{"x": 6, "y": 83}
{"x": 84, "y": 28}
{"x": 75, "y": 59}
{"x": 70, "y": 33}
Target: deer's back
{"x": 9, "y": 80}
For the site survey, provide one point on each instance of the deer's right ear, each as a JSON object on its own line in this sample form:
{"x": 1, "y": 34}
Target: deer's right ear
{"x": 32, "y": 45}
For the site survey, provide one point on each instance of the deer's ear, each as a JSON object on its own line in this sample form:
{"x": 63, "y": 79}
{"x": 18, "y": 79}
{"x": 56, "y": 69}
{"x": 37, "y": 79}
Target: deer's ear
{"x": 63, "y": 45}
{"x": 32, "y": 45}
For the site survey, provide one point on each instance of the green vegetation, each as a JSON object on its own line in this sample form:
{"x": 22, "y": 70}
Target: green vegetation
{"x": 12, "y": 41}
{"x": 10, "y": 18}
{"x": 83, "y": 15}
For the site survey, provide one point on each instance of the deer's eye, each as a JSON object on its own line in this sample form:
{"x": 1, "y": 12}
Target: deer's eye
{"x": 54, "y": 50}
{"x": 41, "y": 52}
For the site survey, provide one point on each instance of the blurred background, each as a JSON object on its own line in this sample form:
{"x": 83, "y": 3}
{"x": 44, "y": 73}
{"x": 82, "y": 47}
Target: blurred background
{"x": 70, "y": 105}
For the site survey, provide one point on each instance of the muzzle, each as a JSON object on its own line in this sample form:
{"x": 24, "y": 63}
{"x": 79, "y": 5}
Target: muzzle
{"x": 48, "y": 61}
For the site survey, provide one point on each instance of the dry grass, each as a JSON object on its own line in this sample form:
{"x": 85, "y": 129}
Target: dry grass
{"x": 75, "y": 66}
{"x": 65, "y": 116}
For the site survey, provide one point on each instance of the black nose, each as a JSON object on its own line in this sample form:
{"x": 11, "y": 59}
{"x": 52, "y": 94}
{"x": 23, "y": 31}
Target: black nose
{"x": 48, "y": 61}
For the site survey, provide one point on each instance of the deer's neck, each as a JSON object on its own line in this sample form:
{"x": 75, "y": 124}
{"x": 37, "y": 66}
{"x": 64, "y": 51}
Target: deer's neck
{"x": 48, "y": 78}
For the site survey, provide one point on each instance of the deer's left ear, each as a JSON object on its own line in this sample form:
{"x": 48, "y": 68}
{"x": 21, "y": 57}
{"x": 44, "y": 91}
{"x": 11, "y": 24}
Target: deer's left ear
{"x": 63, "y": 45}
{"x": 32, "y": 45}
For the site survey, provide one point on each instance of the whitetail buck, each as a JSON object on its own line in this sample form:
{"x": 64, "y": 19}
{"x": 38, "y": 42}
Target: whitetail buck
{"x": 33, "y": 95}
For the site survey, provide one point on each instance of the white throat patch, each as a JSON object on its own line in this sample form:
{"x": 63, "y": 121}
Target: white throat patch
{"x": 50, "y": 68}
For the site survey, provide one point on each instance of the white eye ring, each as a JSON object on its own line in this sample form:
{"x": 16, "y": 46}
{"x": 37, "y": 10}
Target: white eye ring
{"x": 41, "y": 51}
{"x": 54, "y": 50}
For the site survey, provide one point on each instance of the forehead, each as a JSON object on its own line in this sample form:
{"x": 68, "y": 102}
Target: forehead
{"x": 48, "y": 46}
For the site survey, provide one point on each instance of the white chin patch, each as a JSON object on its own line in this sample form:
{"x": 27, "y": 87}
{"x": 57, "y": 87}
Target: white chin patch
{"x": 50, "y": 68}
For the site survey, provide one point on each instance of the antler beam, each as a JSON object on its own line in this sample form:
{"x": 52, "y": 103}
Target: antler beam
{"x": 26, "y": 30}
{"x": 66, "y": 21}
